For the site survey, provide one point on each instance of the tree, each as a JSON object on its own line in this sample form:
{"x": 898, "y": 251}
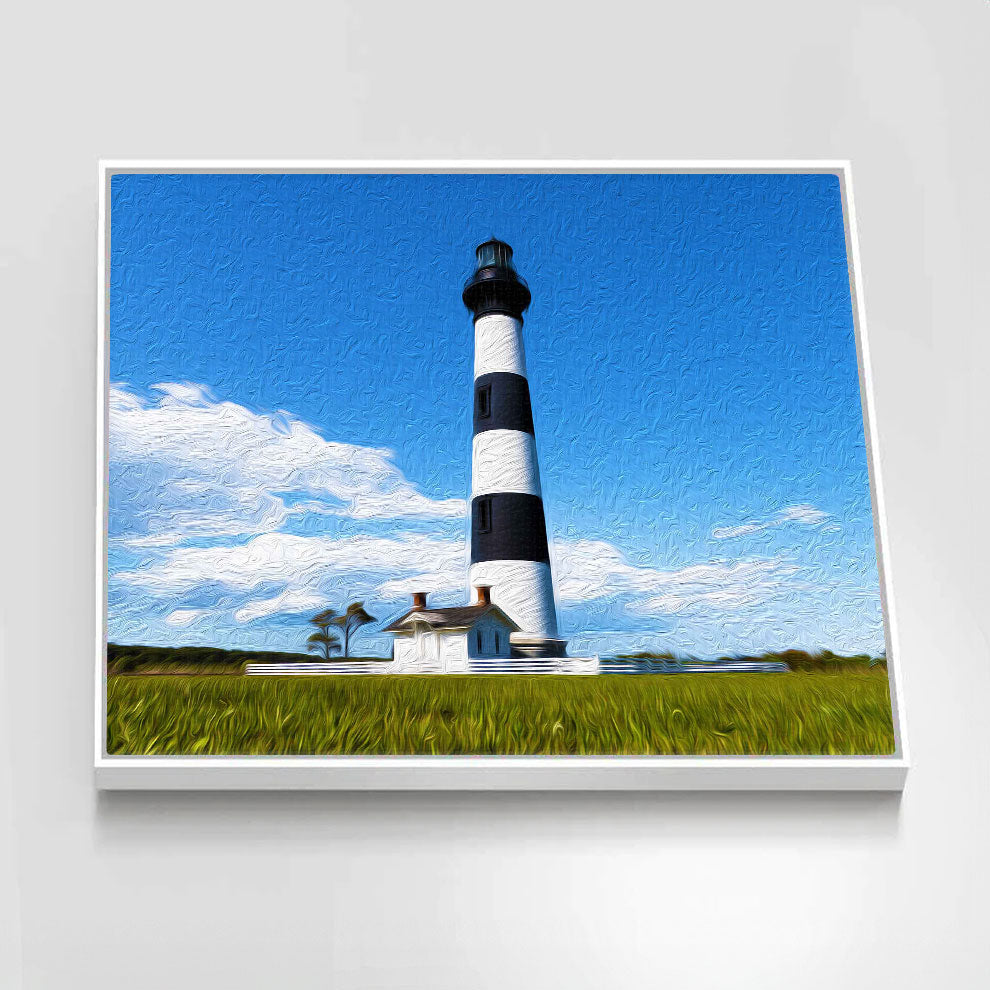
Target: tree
{"x": 324, "y": 641}
{"x": 351, "y": 621}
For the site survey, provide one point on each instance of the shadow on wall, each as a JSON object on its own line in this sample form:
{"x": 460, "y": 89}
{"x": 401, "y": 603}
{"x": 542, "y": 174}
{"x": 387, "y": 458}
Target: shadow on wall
{"x": 188, "y": 819}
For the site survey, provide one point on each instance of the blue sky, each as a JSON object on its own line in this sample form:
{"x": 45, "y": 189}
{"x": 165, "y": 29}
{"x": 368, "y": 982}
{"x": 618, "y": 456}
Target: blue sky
{"x": 291, "y": 370}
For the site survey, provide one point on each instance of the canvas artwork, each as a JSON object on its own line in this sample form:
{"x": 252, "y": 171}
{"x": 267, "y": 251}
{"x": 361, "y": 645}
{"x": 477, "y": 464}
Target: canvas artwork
{"x": 487, "y": 464}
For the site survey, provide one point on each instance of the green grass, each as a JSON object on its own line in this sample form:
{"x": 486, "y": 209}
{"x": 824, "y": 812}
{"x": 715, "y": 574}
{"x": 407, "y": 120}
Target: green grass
{"x": 684, "y": 714}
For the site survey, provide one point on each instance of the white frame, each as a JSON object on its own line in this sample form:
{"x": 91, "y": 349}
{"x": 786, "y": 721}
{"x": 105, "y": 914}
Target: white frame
{"x": 869, "y": 773}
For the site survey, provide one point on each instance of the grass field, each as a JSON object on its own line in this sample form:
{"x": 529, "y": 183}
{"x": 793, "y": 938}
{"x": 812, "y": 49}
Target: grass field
{"x": 684, "y": 714}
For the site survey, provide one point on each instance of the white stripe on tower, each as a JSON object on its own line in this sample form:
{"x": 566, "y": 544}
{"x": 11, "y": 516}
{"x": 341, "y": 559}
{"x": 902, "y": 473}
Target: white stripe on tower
{"x": 525, "y": 593}
{"x": 504, "y": 461}
{"x": 498, "y": 345}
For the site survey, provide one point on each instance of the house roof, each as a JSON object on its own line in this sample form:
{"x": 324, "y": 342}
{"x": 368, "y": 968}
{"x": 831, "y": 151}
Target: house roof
{"x": 458, "y": 617}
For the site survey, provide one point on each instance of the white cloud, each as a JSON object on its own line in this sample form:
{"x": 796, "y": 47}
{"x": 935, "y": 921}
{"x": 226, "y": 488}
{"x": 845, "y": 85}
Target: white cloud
{"x": 441, "y": 576}
{"x": 290, "y": 600}
{"x": 722, "y": 586}
{"x": 294, "y": 561}
{"x": 219, "y": 469}
{"x": 185, "y": 616}
{"x": 589, "y": 569}
{"x": 307, "y": 569}
{"x": 149, "y": 542}
{"x": 806, "y": 515}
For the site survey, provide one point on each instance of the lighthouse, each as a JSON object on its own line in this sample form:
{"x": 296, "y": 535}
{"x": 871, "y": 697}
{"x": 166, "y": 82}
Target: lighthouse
{"x": 509, "y": 549}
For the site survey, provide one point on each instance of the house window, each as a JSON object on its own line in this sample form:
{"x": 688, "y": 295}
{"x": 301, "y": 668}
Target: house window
{"x": 484, "y": 515}
{"x": 478, "y": 638}
{"x": 498, "y": 645}
{"x": 484, "y": 394}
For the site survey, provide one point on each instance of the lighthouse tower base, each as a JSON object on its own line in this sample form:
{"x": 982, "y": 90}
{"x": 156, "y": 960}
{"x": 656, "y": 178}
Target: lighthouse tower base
{"x": 523, "y": 589}
{"x": 528, "y": 646}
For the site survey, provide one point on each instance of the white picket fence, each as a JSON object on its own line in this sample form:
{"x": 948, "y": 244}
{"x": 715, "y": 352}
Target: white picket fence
{"x": 311, "y": 669}
{"x": 536, "y": 665}
{"x": 528, "y": 665}
{"x": 554, "y": 665}
{"x": 616, "y": 665}
{"x": 736, "y": 667}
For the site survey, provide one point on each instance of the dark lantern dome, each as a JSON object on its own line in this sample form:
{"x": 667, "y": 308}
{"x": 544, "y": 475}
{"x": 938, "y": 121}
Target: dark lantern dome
{"x": 495, "y": 286}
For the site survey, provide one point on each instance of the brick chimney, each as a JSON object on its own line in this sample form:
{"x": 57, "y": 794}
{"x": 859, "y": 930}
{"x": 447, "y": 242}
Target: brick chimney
{"x": 419, "y": 600}
{"x": 484, "y": 594}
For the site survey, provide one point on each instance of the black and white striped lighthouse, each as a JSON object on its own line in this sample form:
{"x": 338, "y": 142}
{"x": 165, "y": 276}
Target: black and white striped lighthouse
{"x": 509, "y": 550}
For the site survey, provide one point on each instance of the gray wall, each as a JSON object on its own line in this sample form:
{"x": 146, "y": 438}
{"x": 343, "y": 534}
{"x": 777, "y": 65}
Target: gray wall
{"x": 312, "y": 890}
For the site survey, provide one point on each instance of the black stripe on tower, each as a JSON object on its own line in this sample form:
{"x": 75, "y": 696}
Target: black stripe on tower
{"x": 508, "y": 526}
{"x": 501, "y": 402}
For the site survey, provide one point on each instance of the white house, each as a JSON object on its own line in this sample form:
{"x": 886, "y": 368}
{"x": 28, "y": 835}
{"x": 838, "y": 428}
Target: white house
{"x": 446, "y": 640}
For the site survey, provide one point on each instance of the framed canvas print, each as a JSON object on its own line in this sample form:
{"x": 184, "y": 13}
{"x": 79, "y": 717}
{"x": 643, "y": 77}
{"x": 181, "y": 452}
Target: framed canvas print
{"x": 488, "y": 475}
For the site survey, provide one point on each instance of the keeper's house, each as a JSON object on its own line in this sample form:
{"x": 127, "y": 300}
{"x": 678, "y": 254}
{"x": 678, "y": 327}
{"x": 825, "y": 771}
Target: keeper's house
{"x": 446, "y": 640}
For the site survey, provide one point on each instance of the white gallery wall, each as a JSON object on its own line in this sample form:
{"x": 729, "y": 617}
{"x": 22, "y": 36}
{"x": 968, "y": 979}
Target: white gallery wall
{"x": 240, "y": 891}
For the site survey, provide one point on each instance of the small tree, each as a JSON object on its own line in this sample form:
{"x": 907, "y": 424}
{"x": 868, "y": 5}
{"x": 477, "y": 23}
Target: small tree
{"x": 324, "y": 641}
{"x": 351, "y": 621}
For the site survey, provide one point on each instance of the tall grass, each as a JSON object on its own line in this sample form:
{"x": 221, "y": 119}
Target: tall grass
{"x": 687, "y": 714}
